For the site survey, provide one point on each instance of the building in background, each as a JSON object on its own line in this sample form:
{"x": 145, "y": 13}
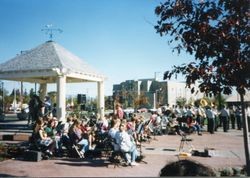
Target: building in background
{"x": 152, "y": 93}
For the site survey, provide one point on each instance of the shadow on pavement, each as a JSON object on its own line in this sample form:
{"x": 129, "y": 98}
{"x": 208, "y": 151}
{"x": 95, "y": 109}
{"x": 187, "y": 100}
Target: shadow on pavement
{"x": 86, "y": 162}
{"x": 7, "y": 175}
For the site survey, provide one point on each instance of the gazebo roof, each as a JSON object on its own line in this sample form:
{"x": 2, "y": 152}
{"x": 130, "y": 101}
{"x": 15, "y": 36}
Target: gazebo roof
{"x": 45, "y": 62}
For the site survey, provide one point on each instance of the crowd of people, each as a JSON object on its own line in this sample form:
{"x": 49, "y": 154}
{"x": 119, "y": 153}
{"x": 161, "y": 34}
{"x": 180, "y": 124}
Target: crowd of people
{"x": 196, "y": 119}
{"x": 86, "y": 133}
{"x": 127, "y": 131}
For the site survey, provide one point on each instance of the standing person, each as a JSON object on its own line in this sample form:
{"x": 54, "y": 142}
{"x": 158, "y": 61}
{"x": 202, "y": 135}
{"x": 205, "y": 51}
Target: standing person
{"x": 200, "y": 116}
{"x": 232, "y": 116}
{"x": 224, "y": 118}
{"x": 119, "y": 111}
{"x": 31, "y": 117}
{"x": 238, "y": 116}
{"x": 217, "y": 119}
{"x": 35, "y": 107}
{"x": 210, "y": 120}
{"x": 39, "y": 107}
{"x": 54, "y": 114}
{"x": 47, "y": 105}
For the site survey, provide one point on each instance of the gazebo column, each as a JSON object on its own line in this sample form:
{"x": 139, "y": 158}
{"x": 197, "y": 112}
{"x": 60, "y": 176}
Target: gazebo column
{"x": 100, "y": 99}
{"x": 61, "y": 98}
{"x": 43, "y": 90}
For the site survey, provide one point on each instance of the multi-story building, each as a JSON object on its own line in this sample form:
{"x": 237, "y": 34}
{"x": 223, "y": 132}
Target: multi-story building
{"x": 151, "y": 93}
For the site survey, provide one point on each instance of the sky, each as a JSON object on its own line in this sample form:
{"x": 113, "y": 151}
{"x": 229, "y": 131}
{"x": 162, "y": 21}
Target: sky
{"x": 116, "y": 37}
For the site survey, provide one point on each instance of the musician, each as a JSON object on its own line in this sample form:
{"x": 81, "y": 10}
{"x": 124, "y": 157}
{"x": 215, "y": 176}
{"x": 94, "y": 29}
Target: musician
{"x": 211, "y": 120}
{"x": 199, "y": 115}
{"x": 224, "y": 118}
{"x": 195, "y": 126}
{"x": 173, "y": 123}
{"x": 88, "y": 133}
{"x": 77, "y": 136}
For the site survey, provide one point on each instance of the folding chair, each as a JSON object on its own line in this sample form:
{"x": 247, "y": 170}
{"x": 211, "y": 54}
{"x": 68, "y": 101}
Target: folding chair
{"x": 74, "y": 147}
{"x": 117, "y": 156}
{"x": 35, "y": 146}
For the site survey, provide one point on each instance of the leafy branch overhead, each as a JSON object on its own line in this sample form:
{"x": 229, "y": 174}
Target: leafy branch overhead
{"x": 217, "y": 34}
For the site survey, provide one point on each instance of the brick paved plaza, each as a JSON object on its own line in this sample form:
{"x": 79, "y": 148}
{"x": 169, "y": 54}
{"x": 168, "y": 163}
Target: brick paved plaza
{"x": 227, "y": 151}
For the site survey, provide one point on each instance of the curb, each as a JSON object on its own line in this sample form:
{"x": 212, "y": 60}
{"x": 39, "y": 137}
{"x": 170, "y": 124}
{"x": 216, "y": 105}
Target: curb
{"x": 15, "y": 137}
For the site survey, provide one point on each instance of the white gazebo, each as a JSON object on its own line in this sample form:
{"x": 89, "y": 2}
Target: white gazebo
{"x": 51, "y": 63}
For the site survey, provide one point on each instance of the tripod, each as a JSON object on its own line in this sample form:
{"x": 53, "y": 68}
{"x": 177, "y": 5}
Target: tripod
{"x": 185, "y": 141}
{"x": 141, "y": 157}
{"x": 155, "y": 131}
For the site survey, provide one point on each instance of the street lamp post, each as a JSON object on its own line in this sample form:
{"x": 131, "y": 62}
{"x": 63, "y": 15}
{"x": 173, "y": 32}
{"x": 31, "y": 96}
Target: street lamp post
{"x": 2, "y": 106}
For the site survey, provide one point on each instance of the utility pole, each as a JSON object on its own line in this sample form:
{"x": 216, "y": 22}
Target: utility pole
{"x": 2, "y": 84}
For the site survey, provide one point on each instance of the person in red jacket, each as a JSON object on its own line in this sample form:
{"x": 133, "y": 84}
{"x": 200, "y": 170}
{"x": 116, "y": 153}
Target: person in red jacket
{"x": 119, "y": 111}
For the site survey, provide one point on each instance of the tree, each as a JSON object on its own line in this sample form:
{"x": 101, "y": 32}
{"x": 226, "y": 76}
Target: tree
{"x": 181, "y": 101}
{"x": 142, "y": 101}
{"x": 52, "y": 95}
{"x": 217, "y": 35}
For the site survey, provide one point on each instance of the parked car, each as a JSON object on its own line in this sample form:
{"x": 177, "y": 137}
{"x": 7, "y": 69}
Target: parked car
{"x": 22, "y": 115}
{"x": 141, "y": 110}
{"x": 14, "y": 108}
{"x": 129, "y": 110}
{"x": 24, "y": 112}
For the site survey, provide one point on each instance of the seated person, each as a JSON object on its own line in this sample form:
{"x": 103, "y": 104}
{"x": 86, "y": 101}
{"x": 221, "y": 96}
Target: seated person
{"x": 194, "y": 125}
{"x": 113, "y": 131}
{"x": 131, "y": 129}
{"x": 102, "y": 124}
{"x": 174, "y": 124}
{"x": 88, "y": 133}
{"x": 51, "y": 132}
{"x": 42, "y": 138}
{"x": 76, "y": 136}
{"x": 127, "y": 146}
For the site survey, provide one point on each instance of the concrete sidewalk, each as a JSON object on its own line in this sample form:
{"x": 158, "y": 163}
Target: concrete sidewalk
{"x": 227, "y": 151}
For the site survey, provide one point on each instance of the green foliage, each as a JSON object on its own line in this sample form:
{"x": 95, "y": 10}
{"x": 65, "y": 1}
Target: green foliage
{"x": 181, "y": 101}
{"x": 142, "y": 102}
{"x": 52, "y": 96}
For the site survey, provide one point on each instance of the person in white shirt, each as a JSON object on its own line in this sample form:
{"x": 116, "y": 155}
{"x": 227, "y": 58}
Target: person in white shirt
{"x": 238, "y": 116}
{"x": 211, "y": 120}
{"x": 224, "y": 118}
{"x": 113, "y": 131}
{"x": 232, "y": 116}
{"x": 127, "y": 146}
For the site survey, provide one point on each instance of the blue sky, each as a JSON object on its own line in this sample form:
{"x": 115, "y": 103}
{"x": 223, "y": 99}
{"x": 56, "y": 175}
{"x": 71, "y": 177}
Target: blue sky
{"x": 117, "y": 37}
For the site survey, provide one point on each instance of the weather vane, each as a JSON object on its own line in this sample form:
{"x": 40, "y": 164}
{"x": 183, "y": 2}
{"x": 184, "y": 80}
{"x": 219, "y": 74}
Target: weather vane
{"x": 49, "y": 30}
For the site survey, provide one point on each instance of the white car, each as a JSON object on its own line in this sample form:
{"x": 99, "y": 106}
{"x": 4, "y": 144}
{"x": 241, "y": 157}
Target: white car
{"x": 129, "y": 110}
{"x": 12, "y": 108}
